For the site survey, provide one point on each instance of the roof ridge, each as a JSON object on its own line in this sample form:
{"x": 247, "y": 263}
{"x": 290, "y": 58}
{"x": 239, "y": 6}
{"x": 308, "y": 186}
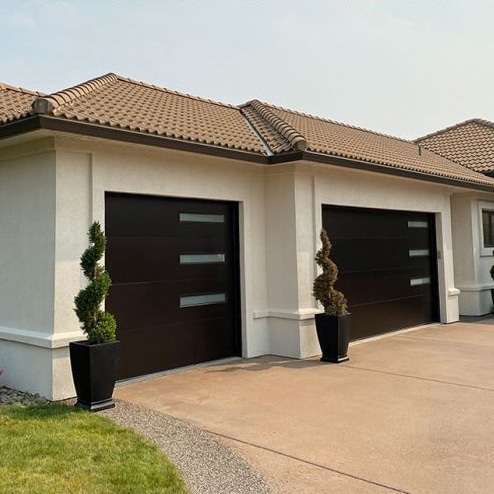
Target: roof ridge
{"x": 355, "y": 127}
{"x": 455, "y": 126}
{"x": 178, "y": 93}
{"x": 50, "y": 102}
{"x": 295, "y": 138}
{"x": 4, "y": 85}
{"x": 483, "y": 121}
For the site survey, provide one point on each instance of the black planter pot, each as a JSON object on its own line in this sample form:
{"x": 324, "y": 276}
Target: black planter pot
{"x": 333, "y": 333}
{"x": 94, "y": 370}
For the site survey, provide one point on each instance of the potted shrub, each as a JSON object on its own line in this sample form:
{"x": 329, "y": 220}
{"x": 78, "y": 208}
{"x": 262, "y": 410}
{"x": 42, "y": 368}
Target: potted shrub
{"x": 94, "y": 361}
{"x": 332, "y": 326}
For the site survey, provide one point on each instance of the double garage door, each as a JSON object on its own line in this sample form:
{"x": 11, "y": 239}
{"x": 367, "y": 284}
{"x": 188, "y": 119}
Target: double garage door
{"x": 388, "y": 267}
{"x": 174, "y": 268}
{"x": 175, "y": 271}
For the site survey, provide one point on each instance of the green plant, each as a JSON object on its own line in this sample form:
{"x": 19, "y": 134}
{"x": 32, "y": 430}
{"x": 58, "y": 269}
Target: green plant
{"x": 98, "y": 325}
{"x": 57, "y": 449}
{"x": 333, "y": 301}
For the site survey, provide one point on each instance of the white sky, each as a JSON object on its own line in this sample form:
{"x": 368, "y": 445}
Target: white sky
{"x": 402, "y": 67}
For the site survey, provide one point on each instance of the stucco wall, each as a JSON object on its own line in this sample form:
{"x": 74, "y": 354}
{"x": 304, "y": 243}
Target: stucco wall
{"x": 73, "y": 181}
{"x": 472, "y": 261}
{"x": 295, "y": 194}
{"x": 280, "y": 217}
{"x": 27, "y": 232}
{"x": 102, "y": 167}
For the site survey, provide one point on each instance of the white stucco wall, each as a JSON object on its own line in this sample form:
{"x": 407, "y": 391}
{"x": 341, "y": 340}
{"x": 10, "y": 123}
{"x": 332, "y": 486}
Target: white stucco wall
{"x": 73, "y": 181}
{"x": 472, "y": 261}
{"x": 280, "y": 208}
{"x": 90, "y": 169}
{"x": 27, "y": 232}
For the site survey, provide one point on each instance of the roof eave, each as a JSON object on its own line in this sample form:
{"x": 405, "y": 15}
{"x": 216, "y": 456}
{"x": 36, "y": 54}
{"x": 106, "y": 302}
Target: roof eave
{"x": 397, "y": 172}
{"x": 36, "y": 122}
{"x": 20, "y": 126}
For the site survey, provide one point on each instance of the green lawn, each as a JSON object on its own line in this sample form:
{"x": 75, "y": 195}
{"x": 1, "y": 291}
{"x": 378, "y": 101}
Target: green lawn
{"x": 52, "y": 449}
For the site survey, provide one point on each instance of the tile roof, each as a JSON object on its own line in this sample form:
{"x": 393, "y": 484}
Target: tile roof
{"x": 470, "y": 143}
{"x": 336, "y": 139}
{"x": 115, "y": 101}
{"x": 15, "y": 102}
{"x": 255, "y": 128}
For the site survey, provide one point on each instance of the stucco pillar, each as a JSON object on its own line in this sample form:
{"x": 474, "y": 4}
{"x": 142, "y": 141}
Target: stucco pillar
{"x": 290, "y": 267}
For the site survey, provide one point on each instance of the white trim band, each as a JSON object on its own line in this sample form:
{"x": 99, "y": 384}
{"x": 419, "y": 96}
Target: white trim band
{"x": 476, "y": 288}
{"x": 35, "y": 338}
{"x": 300, "y": 315}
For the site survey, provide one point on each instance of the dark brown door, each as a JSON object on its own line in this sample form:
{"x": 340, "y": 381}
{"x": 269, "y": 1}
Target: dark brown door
{"x": 387, "y": 263}
{"x": 174, "y": 267}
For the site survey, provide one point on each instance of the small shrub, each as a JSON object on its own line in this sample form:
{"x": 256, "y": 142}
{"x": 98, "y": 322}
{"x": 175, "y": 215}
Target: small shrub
{"x": 333, "y": 301}
{"x": 98, "y": 325}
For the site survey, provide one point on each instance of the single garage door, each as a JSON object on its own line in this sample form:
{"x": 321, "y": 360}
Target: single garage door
{"x": 388, "y": 267}
{"x": 175, "y": 294}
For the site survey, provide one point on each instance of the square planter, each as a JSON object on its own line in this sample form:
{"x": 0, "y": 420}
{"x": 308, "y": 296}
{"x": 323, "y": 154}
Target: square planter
{"x": 94, "y": 369}
{"x": 333, "y": 333}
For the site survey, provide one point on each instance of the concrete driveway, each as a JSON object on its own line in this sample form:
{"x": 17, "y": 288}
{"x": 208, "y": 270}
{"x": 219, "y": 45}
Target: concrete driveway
{"x": 410, "y": 413}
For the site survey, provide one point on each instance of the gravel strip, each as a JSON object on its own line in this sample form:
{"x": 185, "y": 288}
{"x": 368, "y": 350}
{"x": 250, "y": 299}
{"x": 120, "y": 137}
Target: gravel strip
{"x": 207, "y": 466}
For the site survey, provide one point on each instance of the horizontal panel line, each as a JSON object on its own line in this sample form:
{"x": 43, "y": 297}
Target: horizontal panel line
{"x": 165, "y": 282}
{"x": 378, "y": 271}
{"x": 385, "y": 301}
{"x": 157, "y": 327}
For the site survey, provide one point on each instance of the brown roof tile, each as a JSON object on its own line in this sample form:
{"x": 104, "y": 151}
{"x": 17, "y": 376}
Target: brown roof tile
{"x": 278, "y": 134}
{"x": 118, "y": 102}
{"x": 15, "y": 102}
{"x": 256, "y": 128}
{"x": 336, "y": 139}
{"x": 469, "y": 143}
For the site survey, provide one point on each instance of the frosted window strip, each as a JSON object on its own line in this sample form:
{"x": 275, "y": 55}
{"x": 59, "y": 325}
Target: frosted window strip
{"x": 418, "y": 224}
{"x": 420, "y": 281}
{"x": 418, "y": 252}
{"x": 201, "y": 258}
{"x": 202, "y": 218}
{"x": 197, "y": 300}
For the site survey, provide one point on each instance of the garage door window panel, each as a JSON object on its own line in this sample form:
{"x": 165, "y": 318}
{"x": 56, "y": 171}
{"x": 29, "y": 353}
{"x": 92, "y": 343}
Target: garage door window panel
{"x": 202, "y": 299}
{"x": 202, "y": 258}
{"x": 201, "y": 218}
{"x": 146, "y": 259}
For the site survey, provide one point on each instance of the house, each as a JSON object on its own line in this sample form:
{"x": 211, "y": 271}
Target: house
{"x": 212, "y": 214}
{"x": 471, "y": 144}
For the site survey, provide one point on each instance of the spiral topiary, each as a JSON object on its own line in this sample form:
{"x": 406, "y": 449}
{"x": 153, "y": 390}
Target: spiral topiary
{"x": 98, "y": 325}
{"x": 333, "y": 301}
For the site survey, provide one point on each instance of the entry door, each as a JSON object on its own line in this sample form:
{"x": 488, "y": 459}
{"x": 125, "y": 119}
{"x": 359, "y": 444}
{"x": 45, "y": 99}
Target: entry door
{"x": 174, "y": 267}
{"x": 387, "y": 267}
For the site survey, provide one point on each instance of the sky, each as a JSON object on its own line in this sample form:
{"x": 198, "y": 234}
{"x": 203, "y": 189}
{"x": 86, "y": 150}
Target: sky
{"x": 401, "y": 67}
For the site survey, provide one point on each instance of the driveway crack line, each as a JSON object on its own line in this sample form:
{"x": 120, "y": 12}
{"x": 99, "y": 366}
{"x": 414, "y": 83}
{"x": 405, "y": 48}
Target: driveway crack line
{"x": 307, "y": 462}
{"x": 480, "y": 388}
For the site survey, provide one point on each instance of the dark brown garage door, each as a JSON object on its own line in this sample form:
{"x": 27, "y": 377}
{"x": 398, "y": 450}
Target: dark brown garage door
{"x": 174, "y": 267}
{"x": 387, "y": 263}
